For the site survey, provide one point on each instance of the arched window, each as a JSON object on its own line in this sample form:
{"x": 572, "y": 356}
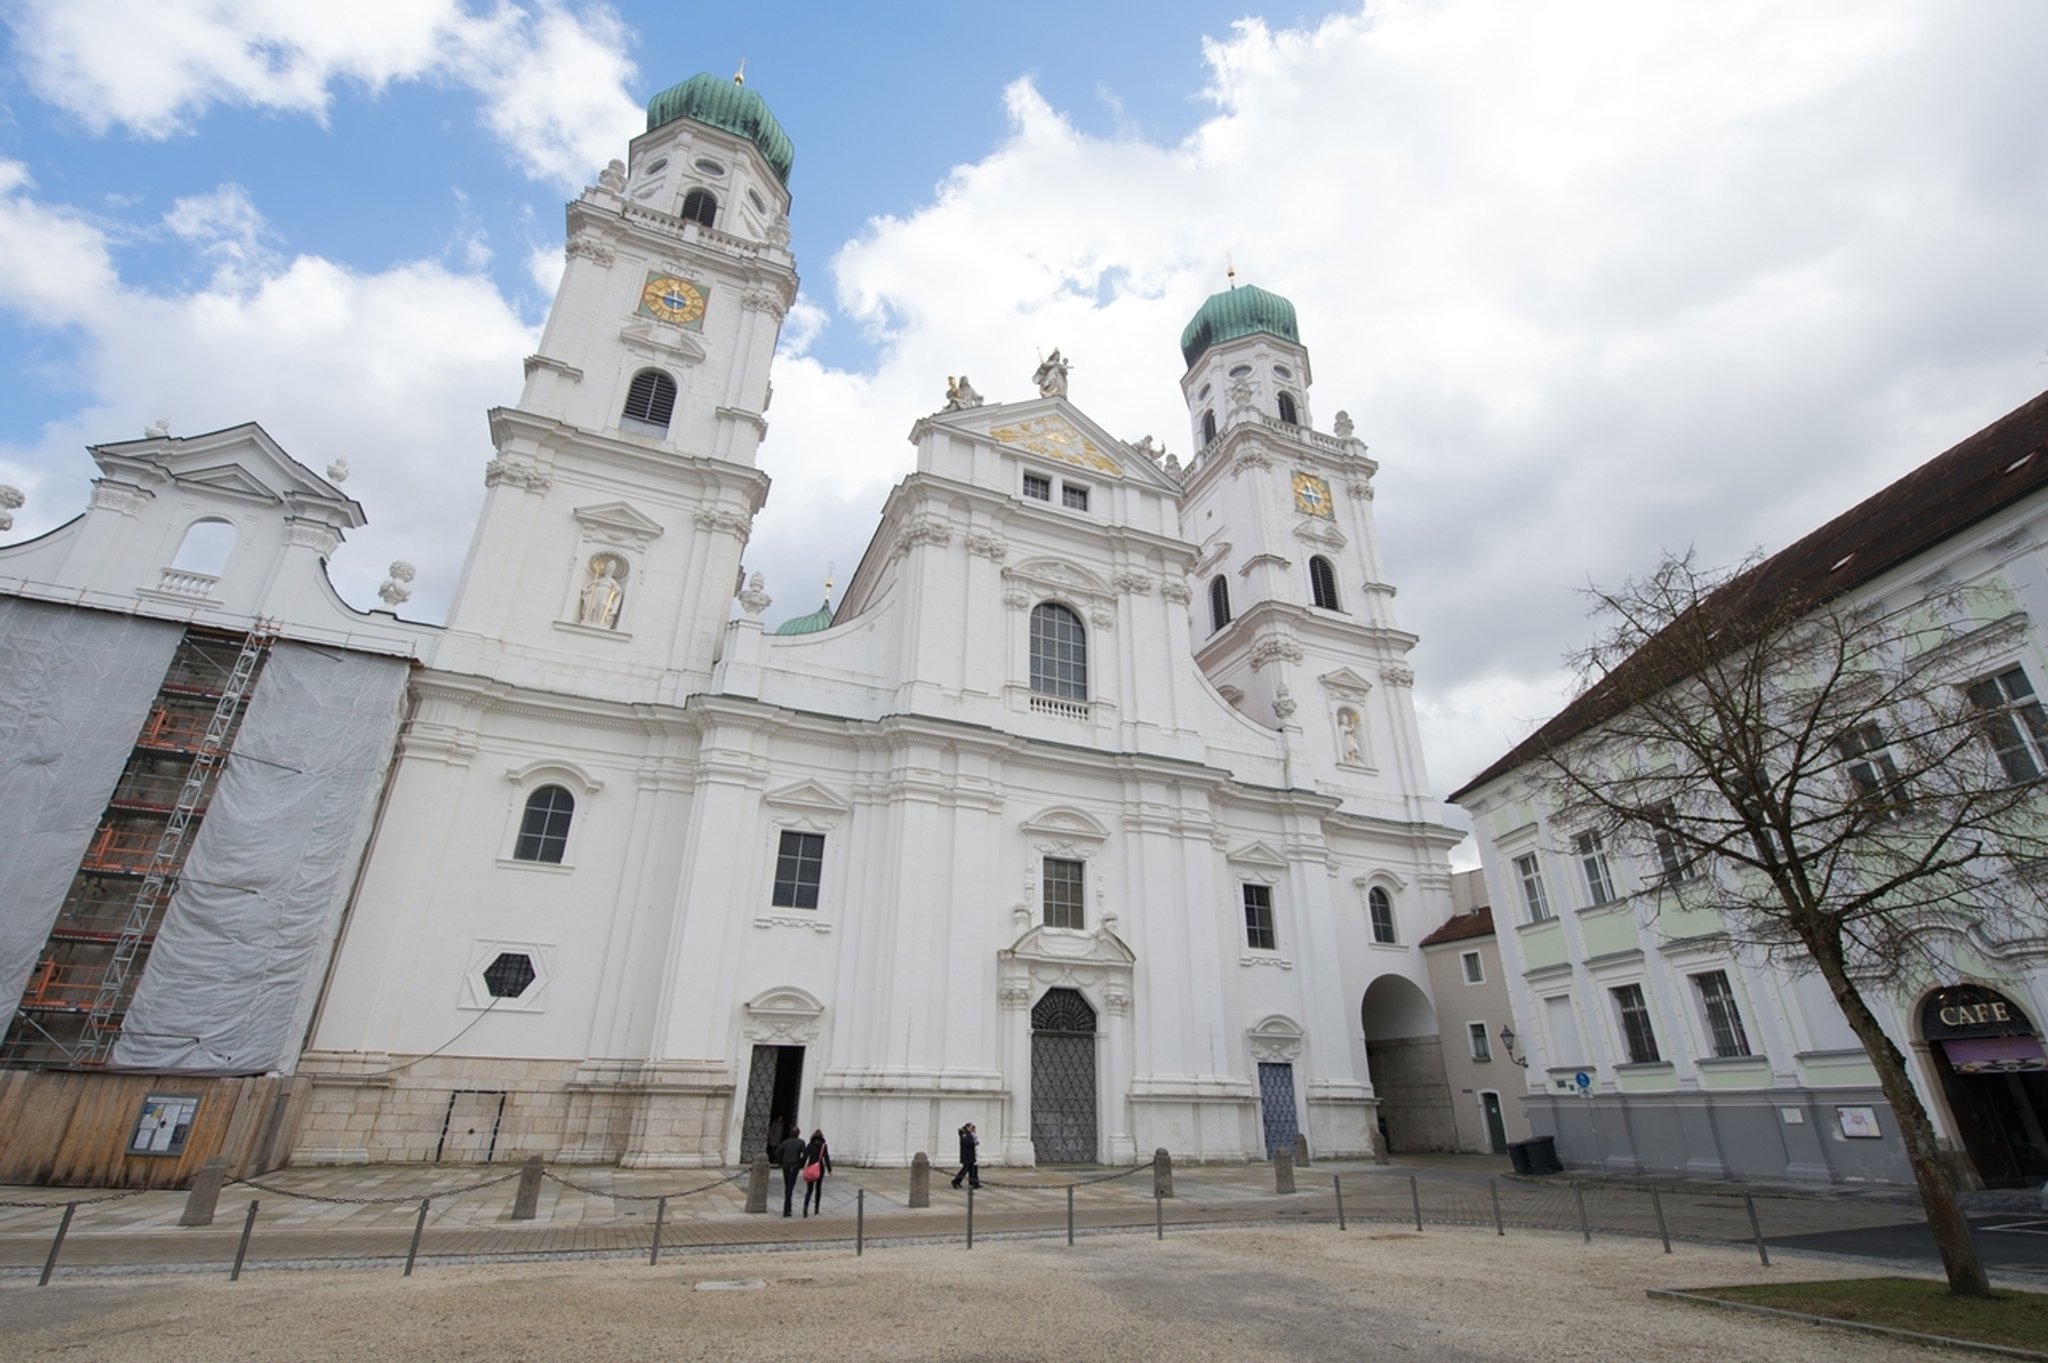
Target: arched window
{"x": 700, "y": 205}
{"x": 1322, "y": 583}
{"x": 1219, "y": 603}
{"x": 1208, "y": 427}
{"x": 651, "y": 399}
{"x": 1059, "y": 652}
{"x": 1287, "y": 411}
{"x": 205, "y": 547}
{"x": 1381, "y": 906}
{"x": 544, "y": 832}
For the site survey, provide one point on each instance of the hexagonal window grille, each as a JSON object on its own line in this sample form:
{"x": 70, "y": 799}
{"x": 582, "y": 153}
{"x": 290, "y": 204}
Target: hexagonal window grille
{"x": 509, "y": 975}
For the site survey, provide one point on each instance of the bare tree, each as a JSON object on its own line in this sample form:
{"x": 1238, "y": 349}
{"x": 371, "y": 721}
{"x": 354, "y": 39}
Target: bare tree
{"x": 1829, "y": 775}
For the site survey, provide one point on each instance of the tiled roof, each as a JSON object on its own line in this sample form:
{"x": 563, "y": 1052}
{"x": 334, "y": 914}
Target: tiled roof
{"x": 1478, "y": 923}
{"x": 2002, "y": 464}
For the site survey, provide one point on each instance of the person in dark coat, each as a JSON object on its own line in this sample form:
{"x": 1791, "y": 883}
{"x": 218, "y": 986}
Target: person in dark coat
{"x": 790, "y": 1155}
{"x": 820, "y": 1154}
{"x": 970, "y": 1162}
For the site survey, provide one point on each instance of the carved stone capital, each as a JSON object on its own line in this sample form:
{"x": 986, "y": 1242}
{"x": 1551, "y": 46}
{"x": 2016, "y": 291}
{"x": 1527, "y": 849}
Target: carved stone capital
{"x": 725, "y": 522}
{"x": 320, "y": 538}
{"x": 764, "y": 300}
{"x": 518, "y": 473}
{"x": 1016, "y": 598}
{"x": 592, "y": 247}
{"x": 1359, "y": 488}
{"x": 988, "y": 544}
{"x": 1177, "y": 591}
{"x": 1116, "y": 1002}
{"x": 1016, "y": 995}
{"x": 1132, "y": 583}
{"x": 924, "y": 530}
{"x": 1251, "y": 457}
{"x": 1275, "y": 651}
{"x": 1103, "y": 618}
{"x": 121, "y": 497}
{"x": 1393, "y": 674}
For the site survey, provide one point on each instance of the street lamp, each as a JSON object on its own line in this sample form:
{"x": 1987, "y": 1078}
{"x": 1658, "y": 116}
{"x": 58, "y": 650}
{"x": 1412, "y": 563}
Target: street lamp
{"x": 1507, "y": 1043}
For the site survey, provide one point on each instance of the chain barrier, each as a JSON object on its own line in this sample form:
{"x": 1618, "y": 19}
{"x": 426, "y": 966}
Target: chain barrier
{"x": 391, "y": 1199}
{"x": 1074, "y": 1183}
{"x": 642, "y": 1197}
{"x": 87, "y": 1201}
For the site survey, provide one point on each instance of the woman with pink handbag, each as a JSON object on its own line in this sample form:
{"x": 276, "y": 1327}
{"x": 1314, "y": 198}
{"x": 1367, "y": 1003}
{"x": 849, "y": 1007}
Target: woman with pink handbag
{"x": 817, "y": 1164}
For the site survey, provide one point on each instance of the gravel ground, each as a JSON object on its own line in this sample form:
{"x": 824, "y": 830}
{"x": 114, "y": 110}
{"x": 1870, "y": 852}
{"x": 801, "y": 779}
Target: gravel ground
{"x": 1291, "y": 1293}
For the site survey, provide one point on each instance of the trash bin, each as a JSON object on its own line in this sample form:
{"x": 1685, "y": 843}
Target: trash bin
{"x": 1518, "y": 1156}
{"x": 1542, "y": 1155}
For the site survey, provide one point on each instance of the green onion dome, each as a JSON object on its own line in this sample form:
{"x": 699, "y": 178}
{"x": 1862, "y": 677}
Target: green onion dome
{"x": 1237, "y": 312}
{"x": 821, "y": 618}
{"x": 729, "y": 105}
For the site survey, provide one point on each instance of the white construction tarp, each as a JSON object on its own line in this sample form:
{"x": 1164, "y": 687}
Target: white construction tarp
{"x": 75, "y": 687}
{"x": 232, "y": 978}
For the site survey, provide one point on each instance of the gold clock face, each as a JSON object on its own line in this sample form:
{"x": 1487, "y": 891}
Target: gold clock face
{"x": 1312, "y": 495}
{"x": 672, "y": 300}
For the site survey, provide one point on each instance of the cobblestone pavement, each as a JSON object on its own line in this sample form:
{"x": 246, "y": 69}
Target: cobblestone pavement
{"x": 368, "y": 1214}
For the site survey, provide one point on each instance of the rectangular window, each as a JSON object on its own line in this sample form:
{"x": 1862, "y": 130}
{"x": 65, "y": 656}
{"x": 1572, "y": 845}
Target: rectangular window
{"x": 1038, "y": 487}
{"x": 1636, "y": 1033}
{"x": 1475, "y": 972}
{"x": 1533, "y": 897}
{"x": 797, "y": 866}
{"x": 1671, "y": 856}
{"x": 1868, "y": 759}
{"x": 1073, "y": 498}
{"x": 1593, "y": 860}
{"x": 1258, "y": 918}
{"x": 1064, "y": 907}
{"x": 2010, "y": 717}
{"x": 1476, "y": 1033}
{"x": 1724, "y": 1020}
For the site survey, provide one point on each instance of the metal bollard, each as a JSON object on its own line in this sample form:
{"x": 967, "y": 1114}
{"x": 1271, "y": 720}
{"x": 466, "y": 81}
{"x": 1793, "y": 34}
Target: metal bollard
{"x": 1070, "y": 1211}
{"x": 757, "y": 1186}
{"x": 1756, "y": 1229}
{"x": 205, "y": 1194}
{"x": 860, "y": 1221}
{"x": 1493, "y": 1187}
{"x": 660, "y": 1215}
{"x": 1415, "y": 1196}
{"x": 526, "y": 1202}
{"x": 1585, "y": 1222}
{"x": 242, "y": 1247}
{"x": 921, "y": 1180}
{"x": 1283, "y": 1171}
{"x": 1337, "y": 1182}
{"x": 1162, "y": 1173}
{"x": 970, "y": 1216}
{"x": 1657, "y": 1206}
{"x": 64, "y": 1228}
{"x": 419, "y": 1228}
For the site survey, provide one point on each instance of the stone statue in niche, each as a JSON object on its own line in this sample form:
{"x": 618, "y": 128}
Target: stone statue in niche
{"x": 1348, "y": 746}
{"x": 603, "y": 594}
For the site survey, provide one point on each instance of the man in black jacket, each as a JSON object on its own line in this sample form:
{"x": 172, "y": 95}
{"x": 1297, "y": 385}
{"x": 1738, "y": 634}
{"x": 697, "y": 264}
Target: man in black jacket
{"x": 970, "y": 1165}
{"x": 790, "y": 1155}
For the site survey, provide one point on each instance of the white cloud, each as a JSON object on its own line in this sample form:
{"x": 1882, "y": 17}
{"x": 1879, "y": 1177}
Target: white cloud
{"x": 552, "y": 79}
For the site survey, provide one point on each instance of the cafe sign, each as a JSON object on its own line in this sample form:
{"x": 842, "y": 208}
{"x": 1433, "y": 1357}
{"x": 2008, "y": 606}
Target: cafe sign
{"x": 1968, "y": 1010}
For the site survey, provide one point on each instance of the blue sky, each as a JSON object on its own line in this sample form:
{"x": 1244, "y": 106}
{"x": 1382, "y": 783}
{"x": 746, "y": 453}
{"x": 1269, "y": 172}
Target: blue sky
{"x": 1594, "y": 280}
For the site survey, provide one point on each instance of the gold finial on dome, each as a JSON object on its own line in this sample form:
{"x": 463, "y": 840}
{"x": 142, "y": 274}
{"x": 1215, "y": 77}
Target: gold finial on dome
{"x": 1230, "y": 271}
{"x": 739, "y": 77}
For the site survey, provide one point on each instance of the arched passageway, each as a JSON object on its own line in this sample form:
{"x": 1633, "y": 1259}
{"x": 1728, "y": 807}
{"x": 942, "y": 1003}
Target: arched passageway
{"x": 1405, "y": 1057}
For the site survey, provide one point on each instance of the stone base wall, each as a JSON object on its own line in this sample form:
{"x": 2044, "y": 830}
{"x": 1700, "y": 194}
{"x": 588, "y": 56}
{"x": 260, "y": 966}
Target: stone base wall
{"x": 368, "y": 1110}
{"x": 1415, "y": 1097}
{"x": 1769, "y": 1136}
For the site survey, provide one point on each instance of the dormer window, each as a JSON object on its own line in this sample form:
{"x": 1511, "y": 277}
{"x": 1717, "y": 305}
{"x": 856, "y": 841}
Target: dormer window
{"x": 1288, "y": 413}
{"x": 700, "y": 206}
{"x": 650, "y": 402}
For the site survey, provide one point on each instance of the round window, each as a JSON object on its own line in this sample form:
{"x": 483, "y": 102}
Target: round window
{"x": 1203, "y": 394}
{"x": 708, "y": 166}
{"x": 760, "y": 204}
{"x": 1283, "y": 371}
{"x": 1238, "y": 371}
{"x": 655, "y": 167}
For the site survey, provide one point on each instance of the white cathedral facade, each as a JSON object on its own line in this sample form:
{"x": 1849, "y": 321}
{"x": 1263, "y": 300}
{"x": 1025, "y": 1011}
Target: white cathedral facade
{"x": 1094, "y": 813}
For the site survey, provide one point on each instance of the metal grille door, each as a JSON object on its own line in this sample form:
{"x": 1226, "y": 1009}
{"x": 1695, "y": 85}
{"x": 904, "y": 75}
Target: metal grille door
{"x": 1276, "y": 1103}
{"x": 1063, "y": 1079}
{"x": 760, "y": 1096}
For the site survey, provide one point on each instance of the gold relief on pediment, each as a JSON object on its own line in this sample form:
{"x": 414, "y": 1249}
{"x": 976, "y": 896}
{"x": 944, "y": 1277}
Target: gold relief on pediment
{"x": 1056, "y": 439}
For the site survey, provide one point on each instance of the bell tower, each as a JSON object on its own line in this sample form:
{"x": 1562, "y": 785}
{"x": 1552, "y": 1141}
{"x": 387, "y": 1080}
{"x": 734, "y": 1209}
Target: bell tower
{"x": 624, "y": 486}
{"x": 1292, "y": 614}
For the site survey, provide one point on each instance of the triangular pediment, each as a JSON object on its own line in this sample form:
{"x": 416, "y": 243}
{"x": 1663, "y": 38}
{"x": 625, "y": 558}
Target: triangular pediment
{"x": 1321, "y": 533}
{"x": 1065, "y": 821}
{"x": 1257, "y": 854}
{"x": 241, "y": 462}
{"x": 620, "y": 519}
{"x": 656, "y": 340}
{"x": 808, "y": 795}
{"x": 1100, "y": 947}
{"x": 1056, "y": 430}
{"x": 1345, "y": 682}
